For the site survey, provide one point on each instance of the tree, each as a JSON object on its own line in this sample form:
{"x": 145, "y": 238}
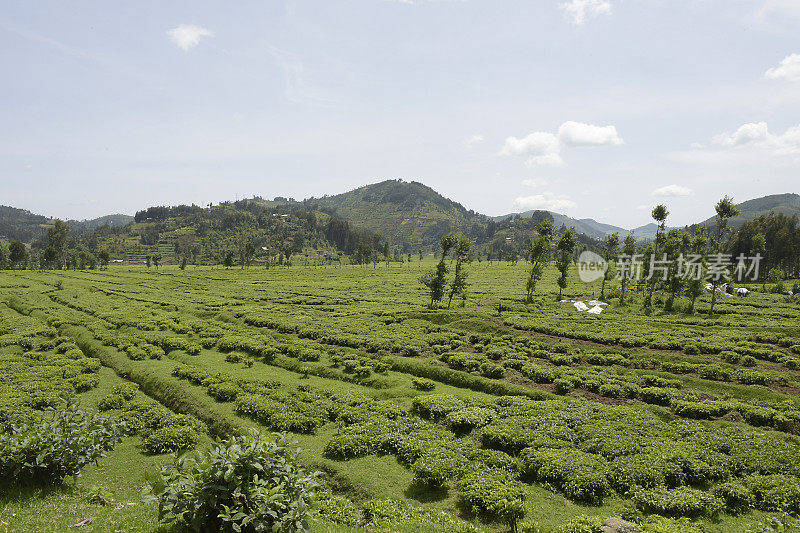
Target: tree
{"x": 246, "y": 249}
{"x": 3, "y": 256}
{"x": 699, "y": 247}
{"x": 610, "y": 246}
{"x": 675, "y": 243}
{"x": 660, "y": 215}
{"x": 227, "y": 259}
{"x": 459, "y": 284}
{"x": 104, "y": 257}
{"x": 17, "y": 253}
{"x": 758, "y": 246}
{"x": 628, "y": 251}
{"x": 386, "y": 252}
{"x": 565, "y": 247}
{"x": 57, "y": 241}
{"x": 156, "y": 260}
{"x": 725, "y": 210}
{"x": 538, "y": 251}
{"x": 436, "y": 280}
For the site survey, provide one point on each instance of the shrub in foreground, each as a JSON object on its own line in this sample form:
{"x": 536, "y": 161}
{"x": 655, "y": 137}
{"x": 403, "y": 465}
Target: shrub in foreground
{"x": 493, "y": 496}
{"x": 59, "y": 445}
{"x": 244, "y": 484}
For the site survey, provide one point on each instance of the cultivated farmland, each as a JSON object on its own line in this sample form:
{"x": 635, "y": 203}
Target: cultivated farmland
{"x": 535, "y": 418}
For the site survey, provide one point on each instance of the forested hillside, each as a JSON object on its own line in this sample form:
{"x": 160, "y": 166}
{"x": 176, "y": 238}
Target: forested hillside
{"x": 787, "y": 204}
{"x": 408, "y": 213}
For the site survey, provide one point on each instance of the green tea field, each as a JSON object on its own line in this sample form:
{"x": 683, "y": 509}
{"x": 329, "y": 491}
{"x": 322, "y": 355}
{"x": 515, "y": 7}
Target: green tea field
{"x": 493, "y": 415}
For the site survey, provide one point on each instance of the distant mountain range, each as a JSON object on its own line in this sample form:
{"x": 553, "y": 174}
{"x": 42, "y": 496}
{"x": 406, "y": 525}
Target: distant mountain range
{"x": 787, "y": 203}
{"x": 412, "y": 215}
{"x": 21, "y": 224}
{"x": 591, "y": 227}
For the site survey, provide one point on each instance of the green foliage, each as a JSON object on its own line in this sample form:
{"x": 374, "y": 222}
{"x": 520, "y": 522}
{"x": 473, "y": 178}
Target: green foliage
{"x": 423, "y": 384}
{"x": 58, "y": 445}
{"x": 581, "y": 476}
{"x": 682, "y": 501}
{"x": 242, "y": 484}
{"x": 493, "y": 496}
{"x": 581, "y": 524}
{"x": 171, "y": 439}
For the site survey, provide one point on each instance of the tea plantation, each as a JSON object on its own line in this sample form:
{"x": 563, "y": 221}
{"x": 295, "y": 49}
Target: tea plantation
{"x": 498, "y": 415}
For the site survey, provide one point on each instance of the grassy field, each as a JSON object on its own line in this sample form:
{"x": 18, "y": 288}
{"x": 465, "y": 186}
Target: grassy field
{"x": 627, "y": 413}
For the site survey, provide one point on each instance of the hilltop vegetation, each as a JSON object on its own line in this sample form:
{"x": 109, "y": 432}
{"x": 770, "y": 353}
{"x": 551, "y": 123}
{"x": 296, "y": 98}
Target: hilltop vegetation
{"x": 787, "y": 204}
{"x": 408, "y": 213}
{"x": 409, "y": 216}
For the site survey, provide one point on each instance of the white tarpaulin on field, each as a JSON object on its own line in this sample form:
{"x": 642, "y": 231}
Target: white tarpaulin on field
{"x": 596, "y": 310}
{"x": 580, "y": 306}
{"x": 596, "y": 302}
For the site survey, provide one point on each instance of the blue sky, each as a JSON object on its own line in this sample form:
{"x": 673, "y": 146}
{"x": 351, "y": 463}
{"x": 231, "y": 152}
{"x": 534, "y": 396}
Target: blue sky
{"x": 593, "y": 108}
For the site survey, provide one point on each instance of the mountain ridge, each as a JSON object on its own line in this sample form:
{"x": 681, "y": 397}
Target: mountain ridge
{"x": 412, "y": 215}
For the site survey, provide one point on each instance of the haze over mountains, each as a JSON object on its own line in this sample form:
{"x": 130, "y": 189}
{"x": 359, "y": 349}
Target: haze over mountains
{"x": 408, "y": 213}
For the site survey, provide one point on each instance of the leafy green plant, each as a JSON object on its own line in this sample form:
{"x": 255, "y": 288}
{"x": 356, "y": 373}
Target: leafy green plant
{"x": 423, "y": 384}
{"x": 60, "y": 444}
{"x": 246, "y": 483}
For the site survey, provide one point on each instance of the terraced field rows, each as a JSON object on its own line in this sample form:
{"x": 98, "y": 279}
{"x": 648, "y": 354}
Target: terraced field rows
{"x": 537, "y": 417}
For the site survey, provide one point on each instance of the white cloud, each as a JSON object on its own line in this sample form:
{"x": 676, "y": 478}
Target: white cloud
{"x": 786, "y": 144}
{"x": 544, "y": 148}
{"x": 475, "y": 138}
{"x": 186, "y": 36}
{"x": 579, "y": 134}
{"x": 579, "y": 11}
{"x": 757, "y": 135}
{"x": 789, "y": 69}
{"x": 747, "y": 133}
{"x": 540, "y": 147}
{"x": 547, "y": 200}
{"x": 535, "y": 182}
{"x": 673, "y": 190}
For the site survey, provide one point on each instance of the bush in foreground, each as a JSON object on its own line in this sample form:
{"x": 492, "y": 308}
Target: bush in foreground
{"x": 244, "y": 484}
{"x": 59, "y": 445}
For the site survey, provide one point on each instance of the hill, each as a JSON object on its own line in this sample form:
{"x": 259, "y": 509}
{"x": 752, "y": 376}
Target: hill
{"x": 587, "y": 226}
{"x": 116, "y": 220}
{"x": 21, "y": 224}
{"x": 208, "y": 234}
{"x": 408, "y": 213}
{"x": 787, "y": 203}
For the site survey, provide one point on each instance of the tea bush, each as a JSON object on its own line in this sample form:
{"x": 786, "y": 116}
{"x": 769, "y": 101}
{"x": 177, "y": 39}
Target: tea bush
{"x": 242, "y": 484}
{"x": 58, "y": 445}
{"x": 682, "y": 501}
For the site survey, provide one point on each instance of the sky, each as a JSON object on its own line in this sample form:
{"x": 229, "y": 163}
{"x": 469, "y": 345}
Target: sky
{"x": 592, "y": 108}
